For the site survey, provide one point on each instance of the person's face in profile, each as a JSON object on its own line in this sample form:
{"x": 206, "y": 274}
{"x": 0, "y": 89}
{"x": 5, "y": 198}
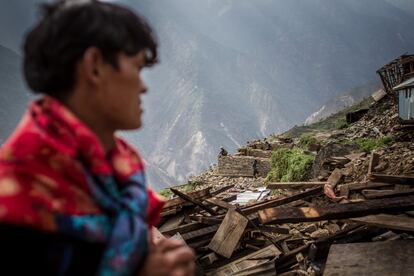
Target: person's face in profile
{"x": 122, "y": 90}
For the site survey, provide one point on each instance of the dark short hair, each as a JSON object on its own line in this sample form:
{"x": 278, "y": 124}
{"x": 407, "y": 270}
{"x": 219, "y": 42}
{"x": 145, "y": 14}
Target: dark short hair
{"x": 66, "y": 29}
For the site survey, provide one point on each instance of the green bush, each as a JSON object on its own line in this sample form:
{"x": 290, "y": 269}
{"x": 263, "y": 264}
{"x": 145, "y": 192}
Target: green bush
{"x": 165, "y": 193}
{"x": 368, "y": 145}
{"x": 307, "y": 139}
{"x": 289, "y": 165}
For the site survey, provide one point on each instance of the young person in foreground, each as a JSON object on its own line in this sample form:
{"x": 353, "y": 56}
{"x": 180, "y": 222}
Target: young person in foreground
{"x": 73, "y": 198}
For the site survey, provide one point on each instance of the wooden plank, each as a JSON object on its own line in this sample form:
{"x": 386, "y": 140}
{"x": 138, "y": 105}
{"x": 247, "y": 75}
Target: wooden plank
{"x": 220, "y": 203}
{"x": 273, "y": 229}
{"x": 335, "y": 177}
{"x": 393, "y": 179}
{"x": 229, "y": 233}
{"x": 169, "y": 212}
{"x": 264, "y": 269}
{"x": 200, "y": 233}
{"x": 194, "y": 201}
{"x": 278, "y": 202}
{"x": 200, "y": 194}
{"x": 252, "y": 260}
{"x": 184, "y": 228}
{"x": 371, "y": 194}
{"x": 221, "y": 190}
{"x": 338, "y": 211}
{"x": 388, "y": 221}
{"x": 286, "y": 260}
{"x": 172, "y": 223}
{"x": 367, "y": 185}
{"x": 208, "y": 259}
{"x": 373, "y": 162}
{"x": 344, "y": 191}
{"x": 294, "y": 185}
{"x": 372, "y": 258}
{"x": 207, "y": 220}
{"x": 229, "y": 198}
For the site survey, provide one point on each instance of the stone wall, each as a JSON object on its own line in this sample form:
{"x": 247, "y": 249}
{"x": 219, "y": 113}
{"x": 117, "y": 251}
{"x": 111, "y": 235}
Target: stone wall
{"x": 242, "y": 165}
{"x": 254, "y": 153}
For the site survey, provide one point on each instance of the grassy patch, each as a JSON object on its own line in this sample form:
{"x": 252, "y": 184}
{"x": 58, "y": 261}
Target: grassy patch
{"x": 289, "y": 165}
{"x": 306, "y": 140}
{"x": 369, "y": 145}
{"x": 165, "y": 193}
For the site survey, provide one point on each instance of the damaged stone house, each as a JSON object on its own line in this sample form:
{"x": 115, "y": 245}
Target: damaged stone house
{"x": 398, "y": 80}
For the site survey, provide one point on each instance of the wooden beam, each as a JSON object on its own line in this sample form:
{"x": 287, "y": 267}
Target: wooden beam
{"x": 393, "y": 179}
{"x": 371, "y": 194}
{"x": 194, "y": 201}
{"x": 273, "y": 229}
{"x": 208, "y": 259}
{"x": 200, "y": 194}
{"x": 294, "y": 185}
{"x": 252, "y": 260}
{"x": 221, "y": 190}
{"x": 220, "y": 203}
{"x": 368, "y": 185}
{"x": 372, "y": 258}
{"x": 200, "y": 233}
{"x": 229, "y": 233}
{"x": 281, "y": 201}
{"x": 388, "y": 221}
{"x": 182, "y": 229}
{"x": 335, "y": 177}
{"x": 373, "y": 162}
{"x": 338, "y": 211}
{"x": 172, "y": 223}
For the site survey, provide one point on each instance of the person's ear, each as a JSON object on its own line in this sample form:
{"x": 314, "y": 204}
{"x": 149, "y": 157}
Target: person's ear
{"x": 93, "y": 65}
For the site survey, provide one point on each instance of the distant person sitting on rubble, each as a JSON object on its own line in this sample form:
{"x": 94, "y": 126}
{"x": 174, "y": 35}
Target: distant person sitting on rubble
{"x": 255, "y": 169}
{"x": 223, "y": 152}
{"x": 73, "y": 197}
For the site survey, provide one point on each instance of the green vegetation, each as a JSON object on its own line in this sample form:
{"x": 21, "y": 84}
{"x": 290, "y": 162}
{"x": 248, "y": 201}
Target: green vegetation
{"x": 166, "y": 192}
{"x": 369, "y": 145}
{"x": 289, "y": 165}
{"x": 306, "y": 140}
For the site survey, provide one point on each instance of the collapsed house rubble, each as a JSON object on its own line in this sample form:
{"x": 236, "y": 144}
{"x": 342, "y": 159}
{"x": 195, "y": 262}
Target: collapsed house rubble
{"x": 240, "y": 224}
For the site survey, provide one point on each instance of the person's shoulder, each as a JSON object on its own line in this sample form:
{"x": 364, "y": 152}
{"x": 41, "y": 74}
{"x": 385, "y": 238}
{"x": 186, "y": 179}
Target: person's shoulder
{"x": 127, "y": 149}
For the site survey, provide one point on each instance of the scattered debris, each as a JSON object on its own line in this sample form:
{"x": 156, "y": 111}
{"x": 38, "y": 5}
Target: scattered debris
{"x": 241, "y": 225}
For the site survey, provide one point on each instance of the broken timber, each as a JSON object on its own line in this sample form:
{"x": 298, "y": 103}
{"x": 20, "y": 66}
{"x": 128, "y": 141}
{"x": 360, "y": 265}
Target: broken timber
{"x": 335, "y": 178}
{"x": 277, "y": 202}
{"x": 338, "y": 211}
{"x": 394, "y": 179}
{"x": 373, "y": 162}
{"x": 374, "y": 258}
{"x": 294, "y": 185}
{"x": 252, "y": 260}
{"x": 194, "y": 201}
{"x": 229, "y": 233}
{"x": 370, "y": 194}
{"x": 388, "y": 221}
